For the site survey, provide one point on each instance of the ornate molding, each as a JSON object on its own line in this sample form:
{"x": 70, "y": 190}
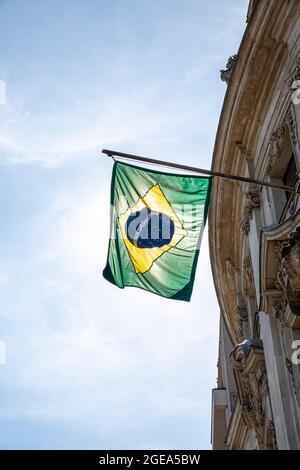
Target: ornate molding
{"x": 226, "y": 73}
{"x": 247, "y": 265}
{"x": 294, "y": 74}
{"x": 242, "y": 314}
{"x": 242, "y": 350}
{"x": 293, "y": 203}
{"x": 256, "y": 326}
{"x": 252, "y": 202}
{"x": 280, "y": 271}
{"x": 288, "y": 264}
{"x": 275, "y": 148}
{"x": 292, "y": 125}
{"x": 248, "y": 275}
{"x": 279, "y": 310}
{"x": 252, "y": 383}
{"x": 289, "y": 366}
{"x": 276, "y": 141}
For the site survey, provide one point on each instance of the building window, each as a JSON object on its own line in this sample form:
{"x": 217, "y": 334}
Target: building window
{"x": 290, "y": 176}
{"x": 285, "y": 171}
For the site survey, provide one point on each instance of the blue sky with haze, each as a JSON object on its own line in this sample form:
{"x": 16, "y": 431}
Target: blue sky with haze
{"x": 89, "y": 365}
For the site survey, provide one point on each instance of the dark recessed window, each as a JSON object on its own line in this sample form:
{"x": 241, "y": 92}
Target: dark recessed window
{"x": 290, "y": 175}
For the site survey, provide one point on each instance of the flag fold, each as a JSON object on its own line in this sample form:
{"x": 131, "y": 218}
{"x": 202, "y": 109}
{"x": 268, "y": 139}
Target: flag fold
{"x": 157, "y": 222}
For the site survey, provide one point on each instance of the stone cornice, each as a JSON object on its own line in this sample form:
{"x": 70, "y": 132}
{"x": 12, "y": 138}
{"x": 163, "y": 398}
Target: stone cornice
{"x": 227, "y": 72}
{"x": 250, "y": 374}
{"x": 262, "y": 58}
{"x": 279, "y": 274}
{"x": 252, "y": 202}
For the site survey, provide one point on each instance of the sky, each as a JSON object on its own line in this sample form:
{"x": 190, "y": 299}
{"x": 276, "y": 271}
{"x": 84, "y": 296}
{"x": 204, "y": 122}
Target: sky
{"x": 90, "y": 366}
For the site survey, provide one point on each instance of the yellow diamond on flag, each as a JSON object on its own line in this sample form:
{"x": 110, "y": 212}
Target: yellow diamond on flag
{"x": 149, "y": 217}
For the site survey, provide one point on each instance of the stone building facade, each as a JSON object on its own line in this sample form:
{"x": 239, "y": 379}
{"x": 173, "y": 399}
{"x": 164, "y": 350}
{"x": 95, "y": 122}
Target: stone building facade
{"x": 254, "y": 234}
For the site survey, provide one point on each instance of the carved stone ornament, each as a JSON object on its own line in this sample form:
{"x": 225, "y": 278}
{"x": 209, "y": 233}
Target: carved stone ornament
{"x": 252, "y": 202}
{"x": 226, "y": 73}
{"x": 279, "y": 311}
{"x": 241, "y": 351}
{"x": 251, "y": 378}
{"x": 277, "y": 139}
{"x": 289, "y": 270}
{"x": 240, "y": 331}
{"x": 242, "y": 312}
{"x": 294, "y": 74}
{"x": 292, "y": 125}
{"x": 248, "y": 275}
{"x": 293, "y": 204}
{"x": 275, "y": 148}
{"x": 242, "y": 315}
{"x": 247, "y": 265}
{"x": 279, "y": 274}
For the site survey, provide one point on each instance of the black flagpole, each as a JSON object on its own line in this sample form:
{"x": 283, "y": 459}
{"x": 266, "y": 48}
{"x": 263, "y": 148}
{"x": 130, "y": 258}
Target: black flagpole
{"x": 179, "y": 166}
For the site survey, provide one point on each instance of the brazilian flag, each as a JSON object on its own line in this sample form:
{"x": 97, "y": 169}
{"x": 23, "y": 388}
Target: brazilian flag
{"x": 157, "y": 221}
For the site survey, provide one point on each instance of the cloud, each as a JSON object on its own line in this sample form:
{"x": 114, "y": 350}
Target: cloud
{"x": 118, "y": 350}
{"x": 122, "y": 121}
{"x": 59, "y": 119}
{"x": 89, "y": 365}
